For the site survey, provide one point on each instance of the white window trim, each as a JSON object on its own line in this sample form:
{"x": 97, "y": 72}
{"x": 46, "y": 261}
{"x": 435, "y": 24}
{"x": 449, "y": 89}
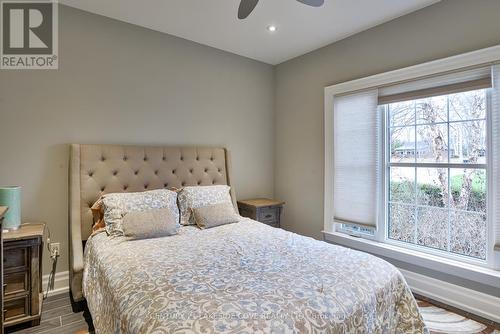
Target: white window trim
{"x": 483, "y": 57}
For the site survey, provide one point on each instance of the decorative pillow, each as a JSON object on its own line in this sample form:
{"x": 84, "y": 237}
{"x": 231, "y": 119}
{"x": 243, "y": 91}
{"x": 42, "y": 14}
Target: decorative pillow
{"x": 116, "y": 205}
{"x": 99, "y": 227}
{"x": 150, "y": 224}
{"x": 98, "y": 210}
{"x": 215, "y": 215}
{"x": 197, "y": 196}
{"x": 98, "y": 216}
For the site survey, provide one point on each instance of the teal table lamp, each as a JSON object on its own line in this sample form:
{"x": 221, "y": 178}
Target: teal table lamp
{"x": 11, "y": 196}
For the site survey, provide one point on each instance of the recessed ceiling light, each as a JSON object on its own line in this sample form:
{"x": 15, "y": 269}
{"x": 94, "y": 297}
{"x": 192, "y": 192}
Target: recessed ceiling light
{"x": 272, "y": 28}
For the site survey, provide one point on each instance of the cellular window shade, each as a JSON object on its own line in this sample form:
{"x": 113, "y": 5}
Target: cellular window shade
{"x": 356, "y": 158}
{"x": 456, "y": 82}
{"x": 495, "y": 153}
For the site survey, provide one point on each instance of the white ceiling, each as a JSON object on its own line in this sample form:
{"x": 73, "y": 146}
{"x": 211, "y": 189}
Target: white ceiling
{"x": 214, "y": 22}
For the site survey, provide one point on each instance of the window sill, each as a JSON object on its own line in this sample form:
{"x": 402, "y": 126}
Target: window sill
{"x": 451, "y": 267}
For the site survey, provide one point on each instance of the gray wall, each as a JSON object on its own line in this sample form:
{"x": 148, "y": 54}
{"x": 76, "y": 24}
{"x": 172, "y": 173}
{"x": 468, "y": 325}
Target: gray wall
{"x": 447, "y": 28}
{"x": 118, "y": 83}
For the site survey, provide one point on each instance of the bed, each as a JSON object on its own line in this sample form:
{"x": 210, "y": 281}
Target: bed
{"x": 244, "y": 277}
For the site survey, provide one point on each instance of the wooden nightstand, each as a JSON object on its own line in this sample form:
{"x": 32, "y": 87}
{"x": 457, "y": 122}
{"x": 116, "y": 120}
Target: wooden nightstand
{"x": 3, "y": 210}
{"x": 22, "y": 277}
{"x": 264, "y": 210}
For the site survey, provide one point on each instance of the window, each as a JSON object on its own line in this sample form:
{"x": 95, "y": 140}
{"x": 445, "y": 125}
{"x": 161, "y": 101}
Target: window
{"x": 437, "y": 172}
{"x": 412, "y": 160}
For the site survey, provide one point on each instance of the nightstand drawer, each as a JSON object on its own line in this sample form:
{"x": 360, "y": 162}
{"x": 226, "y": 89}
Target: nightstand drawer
{"x": 268, "y": 215}
{"x": 272, "y": 224}
{"x": 21, "y": 276}
{"x": 15, "y": 283}
{"x": 16, "y": 308}
{"x": 15, "y": 259}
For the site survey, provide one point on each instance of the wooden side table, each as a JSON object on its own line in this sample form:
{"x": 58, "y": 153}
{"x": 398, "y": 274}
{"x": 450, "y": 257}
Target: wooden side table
{"x": 23, "y": 275}
{"x": 264, "y": 210}
{"x": 3, "y": 210}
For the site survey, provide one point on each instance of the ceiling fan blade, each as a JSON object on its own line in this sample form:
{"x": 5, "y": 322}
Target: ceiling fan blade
{"x": 314, "y": 3}
{"x": 246, "y": 7}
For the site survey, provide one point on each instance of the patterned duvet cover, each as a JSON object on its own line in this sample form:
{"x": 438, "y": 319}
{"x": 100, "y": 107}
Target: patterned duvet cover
{"x": 245, "y": 277}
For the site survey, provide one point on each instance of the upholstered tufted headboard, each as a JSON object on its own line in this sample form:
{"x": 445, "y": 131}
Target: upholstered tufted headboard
{"x": 101, "y": 169}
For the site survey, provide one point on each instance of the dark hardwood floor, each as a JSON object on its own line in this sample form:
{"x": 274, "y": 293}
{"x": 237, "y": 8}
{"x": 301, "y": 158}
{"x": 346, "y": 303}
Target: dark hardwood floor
{"x": 58, "y": 318}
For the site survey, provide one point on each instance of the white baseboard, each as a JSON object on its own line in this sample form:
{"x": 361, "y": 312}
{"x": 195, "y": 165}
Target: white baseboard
{"x": 61, "y": 283}
{"x": 472, "y": 301}
{"x": 465, "y": 299}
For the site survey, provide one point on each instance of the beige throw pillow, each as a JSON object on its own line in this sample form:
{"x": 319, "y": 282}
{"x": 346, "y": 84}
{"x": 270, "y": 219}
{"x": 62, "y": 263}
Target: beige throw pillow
{"x": 198, "y": 196}
{"x": 214, "y": 215}
{"x": 149, "y": 224}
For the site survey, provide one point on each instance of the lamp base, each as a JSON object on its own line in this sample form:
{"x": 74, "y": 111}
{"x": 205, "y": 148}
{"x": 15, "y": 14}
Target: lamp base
{"x": 9, "y": 229}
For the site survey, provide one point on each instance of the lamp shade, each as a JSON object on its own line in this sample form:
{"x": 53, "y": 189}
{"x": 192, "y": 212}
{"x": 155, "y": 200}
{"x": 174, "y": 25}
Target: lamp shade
{"x": 11, "y": 197}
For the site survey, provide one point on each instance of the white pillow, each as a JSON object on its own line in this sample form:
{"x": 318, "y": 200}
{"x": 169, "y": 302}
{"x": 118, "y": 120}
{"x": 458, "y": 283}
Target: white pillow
{"x": 116, "y": 205}
{"x": 198, "y": 196}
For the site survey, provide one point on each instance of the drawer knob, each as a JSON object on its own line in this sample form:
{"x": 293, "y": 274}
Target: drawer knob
{"x": 269, "y": 216}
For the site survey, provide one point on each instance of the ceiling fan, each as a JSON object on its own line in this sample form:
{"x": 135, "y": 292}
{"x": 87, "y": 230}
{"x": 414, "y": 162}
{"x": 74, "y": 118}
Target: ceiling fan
{"x": 247, "y": 6}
